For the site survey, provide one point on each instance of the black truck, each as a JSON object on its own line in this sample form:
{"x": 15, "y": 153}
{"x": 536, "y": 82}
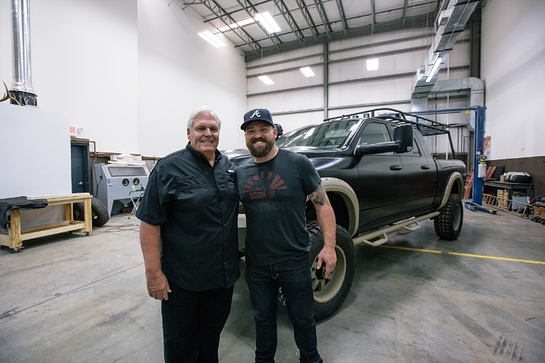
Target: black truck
{"x": 380, "y": 177}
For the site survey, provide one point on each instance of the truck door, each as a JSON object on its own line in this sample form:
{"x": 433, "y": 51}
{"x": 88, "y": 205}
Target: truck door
{"x": 380, "y": 178}
{"x": 419, "y": 179}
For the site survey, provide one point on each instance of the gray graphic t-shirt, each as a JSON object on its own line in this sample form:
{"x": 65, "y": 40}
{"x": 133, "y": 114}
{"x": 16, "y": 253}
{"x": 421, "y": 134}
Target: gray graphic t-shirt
{"x": 273, "y": 194}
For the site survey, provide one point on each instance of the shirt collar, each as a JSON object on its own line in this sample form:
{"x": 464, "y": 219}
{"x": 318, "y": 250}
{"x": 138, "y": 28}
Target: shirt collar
{"x": 200, "y": 156}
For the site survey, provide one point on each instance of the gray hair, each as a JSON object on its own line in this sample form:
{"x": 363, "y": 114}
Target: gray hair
{"x": 199, "y": 111}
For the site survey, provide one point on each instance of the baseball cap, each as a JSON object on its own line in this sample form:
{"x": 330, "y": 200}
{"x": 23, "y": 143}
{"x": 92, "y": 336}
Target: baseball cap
{"x": 279, "y": 129}
{"x": 257, "y": 114}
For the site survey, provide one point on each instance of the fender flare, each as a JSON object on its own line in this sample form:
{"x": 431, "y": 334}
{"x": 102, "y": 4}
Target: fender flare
{"x": 342, "y": 188}
{"x": 454, "y": 178}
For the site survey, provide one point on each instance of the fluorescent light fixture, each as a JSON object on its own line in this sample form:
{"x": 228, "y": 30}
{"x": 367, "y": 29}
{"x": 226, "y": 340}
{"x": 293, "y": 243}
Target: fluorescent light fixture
{"x": 237, "y": 24}
{"x": 266, "y": 80}
{"x": 210, "y": 38}
{"x": 434, "y": 69}
{"x": 372, "y": 64}
{"x": 307, "y": 71}
{"x": 268, "y": 22}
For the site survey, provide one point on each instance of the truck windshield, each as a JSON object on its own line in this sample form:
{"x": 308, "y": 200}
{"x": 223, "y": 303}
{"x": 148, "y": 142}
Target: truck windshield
{"x": 328, "y": 135}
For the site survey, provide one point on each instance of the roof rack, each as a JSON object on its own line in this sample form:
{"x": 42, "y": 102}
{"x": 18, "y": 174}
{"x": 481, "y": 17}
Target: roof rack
{"x": 426, "y": 126}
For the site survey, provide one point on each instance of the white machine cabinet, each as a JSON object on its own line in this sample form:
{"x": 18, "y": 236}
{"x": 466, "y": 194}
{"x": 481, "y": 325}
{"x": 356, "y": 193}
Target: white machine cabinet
{"x": 115, "y": 184}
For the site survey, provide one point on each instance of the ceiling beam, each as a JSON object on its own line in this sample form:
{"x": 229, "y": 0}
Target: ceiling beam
{"x": 323, "y": 16}
{"x": 419, "y": 22}
{"x": 374, "y": 18}
{"x": 304, "y": 10}
{"x": 223, "y": 15}
{"x": 342, "y": 15}
{"x": 246, "y": 4}
{"x": 405, "y": 6}
{"x": 286, "y": 14}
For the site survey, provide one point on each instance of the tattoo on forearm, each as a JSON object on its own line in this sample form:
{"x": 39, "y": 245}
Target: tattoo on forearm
{"x": 319, "y": 196}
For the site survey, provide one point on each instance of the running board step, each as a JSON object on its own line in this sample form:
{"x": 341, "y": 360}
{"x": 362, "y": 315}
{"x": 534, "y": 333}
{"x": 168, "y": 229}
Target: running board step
{"x": 411, "y": 224}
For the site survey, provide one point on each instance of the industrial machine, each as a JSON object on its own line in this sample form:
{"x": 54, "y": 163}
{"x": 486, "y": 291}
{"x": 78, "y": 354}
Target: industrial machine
{"x": 117, "y": 185}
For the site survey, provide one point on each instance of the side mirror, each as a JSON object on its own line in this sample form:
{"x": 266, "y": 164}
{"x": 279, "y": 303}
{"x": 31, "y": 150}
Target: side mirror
{"x": 403, "y": 142}
{"x": 403, "y": 136}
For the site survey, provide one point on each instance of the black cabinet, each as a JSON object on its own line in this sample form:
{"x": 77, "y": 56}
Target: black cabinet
{"x": 81, "y": 180}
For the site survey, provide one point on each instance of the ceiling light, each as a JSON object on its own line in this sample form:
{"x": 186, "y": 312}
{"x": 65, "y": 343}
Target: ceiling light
{"x": 307, "y": 71}
{"x": 372, "y": 64}
{"x": 266, "y": 80}
{"x": 434, "y": 69}
{"x": 210, "y": 38}
{"x": 268, "y": 22}
{"x": 237, "y": 24}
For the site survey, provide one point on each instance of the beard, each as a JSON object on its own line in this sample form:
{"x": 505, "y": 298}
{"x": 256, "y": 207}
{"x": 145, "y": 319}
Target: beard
{"x": 260, "y": 152}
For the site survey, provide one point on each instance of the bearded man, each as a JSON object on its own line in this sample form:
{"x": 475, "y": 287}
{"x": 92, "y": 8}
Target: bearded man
{"x": 274, "y": 187}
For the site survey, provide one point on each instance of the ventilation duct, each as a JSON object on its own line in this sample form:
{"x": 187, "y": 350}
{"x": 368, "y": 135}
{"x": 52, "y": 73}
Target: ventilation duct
{"x": 22, "y": 91}
{"x": 450, "y": 24}
{"x": 475, "y": 87}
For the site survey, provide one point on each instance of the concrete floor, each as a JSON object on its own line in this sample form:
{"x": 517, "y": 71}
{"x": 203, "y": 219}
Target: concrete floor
{"x": 71, "y": 298}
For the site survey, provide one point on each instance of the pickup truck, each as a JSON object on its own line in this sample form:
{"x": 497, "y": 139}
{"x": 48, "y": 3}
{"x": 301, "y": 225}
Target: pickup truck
{"x": 380, "y": 177}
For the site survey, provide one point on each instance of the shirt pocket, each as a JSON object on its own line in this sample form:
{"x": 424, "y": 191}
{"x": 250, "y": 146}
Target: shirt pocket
{"x": 228, "y": 184}
{"x": 229, "y": 178}
{"x": 192, "y": 192}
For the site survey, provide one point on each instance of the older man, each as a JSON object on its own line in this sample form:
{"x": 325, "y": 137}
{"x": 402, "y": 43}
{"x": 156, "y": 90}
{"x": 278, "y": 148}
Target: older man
{"x": 188, "y": 235}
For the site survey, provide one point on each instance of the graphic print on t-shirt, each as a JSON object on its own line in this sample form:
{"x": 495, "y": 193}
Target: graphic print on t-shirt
{"x": 261, "y": 186}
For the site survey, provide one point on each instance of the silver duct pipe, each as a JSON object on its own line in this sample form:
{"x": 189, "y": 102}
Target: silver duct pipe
{"x": 476, "y": 93}
{"x": 449, "y": 26}
{"x": 22, "y": 91}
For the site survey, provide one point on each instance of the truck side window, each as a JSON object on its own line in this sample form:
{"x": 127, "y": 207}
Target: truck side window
{"x": 374, "y": 133}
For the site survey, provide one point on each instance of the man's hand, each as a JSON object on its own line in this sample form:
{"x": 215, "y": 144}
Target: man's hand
{"x": 158, "y": 286}
{"x": 328, "y": 256}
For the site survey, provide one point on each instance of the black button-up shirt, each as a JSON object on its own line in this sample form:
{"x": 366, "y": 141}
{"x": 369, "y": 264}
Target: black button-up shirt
{"x": 196, "y": 206}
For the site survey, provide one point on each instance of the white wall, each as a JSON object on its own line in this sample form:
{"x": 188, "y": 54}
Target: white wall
{"x": 178, "y": 72}
{"x": 35, "y": 149}
{"x": 513, "y": 71}
{"x": 127, "y": 72}
{"x": 5, "y": 45}
{"x": 84, "y": 65}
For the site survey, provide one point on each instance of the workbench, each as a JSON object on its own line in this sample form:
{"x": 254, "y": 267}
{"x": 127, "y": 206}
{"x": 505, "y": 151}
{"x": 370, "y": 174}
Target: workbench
{"x": 15, "y": 235}
{"x": 527, "y": 187}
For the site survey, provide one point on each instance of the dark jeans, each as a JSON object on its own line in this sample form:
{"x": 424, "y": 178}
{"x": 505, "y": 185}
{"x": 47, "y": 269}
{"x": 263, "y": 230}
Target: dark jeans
{"x": 192, "y": 323}
{"x": 293, "y": 277}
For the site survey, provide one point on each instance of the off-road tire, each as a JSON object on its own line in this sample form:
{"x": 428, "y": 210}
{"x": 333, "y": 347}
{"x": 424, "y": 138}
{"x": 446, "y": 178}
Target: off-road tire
{"x": 99, "y": 213}
{"x": 448, "y": 224}
{"x": 330, "y": 294}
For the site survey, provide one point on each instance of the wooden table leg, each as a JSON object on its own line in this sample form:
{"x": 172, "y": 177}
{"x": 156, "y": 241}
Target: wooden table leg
{"x": 15, "y": 229}
{"x": 88, "y": 215}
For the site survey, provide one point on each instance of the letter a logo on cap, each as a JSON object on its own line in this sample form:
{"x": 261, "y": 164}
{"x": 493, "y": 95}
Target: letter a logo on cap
{"x": 256, "y": 114}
